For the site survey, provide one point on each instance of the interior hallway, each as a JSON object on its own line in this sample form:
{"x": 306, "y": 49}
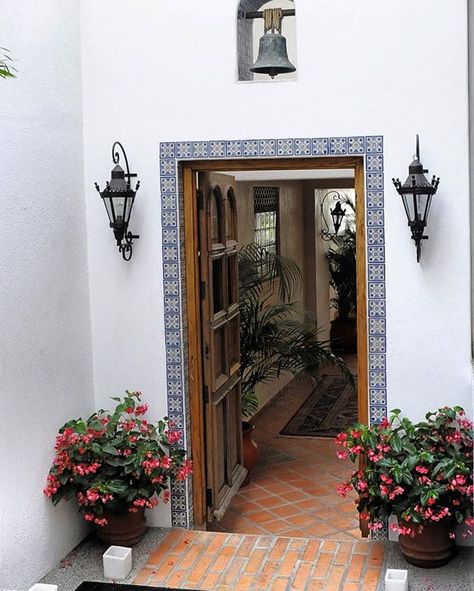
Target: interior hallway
{"x": 293, "y": 487}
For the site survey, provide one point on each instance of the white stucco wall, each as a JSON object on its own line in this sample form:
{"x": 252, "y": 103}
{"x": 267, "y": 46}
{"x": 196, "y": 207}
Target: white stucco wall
{"x": 45, "y": 364}
{"x": 154, "y": 80}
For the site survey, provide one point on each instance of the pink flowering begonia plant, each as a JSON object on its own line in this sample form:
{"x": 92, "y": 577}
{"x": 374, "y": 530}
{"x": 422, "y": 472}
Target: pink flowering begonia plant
{"x": 116, "y": 461}
{"x": 420, "y": 472}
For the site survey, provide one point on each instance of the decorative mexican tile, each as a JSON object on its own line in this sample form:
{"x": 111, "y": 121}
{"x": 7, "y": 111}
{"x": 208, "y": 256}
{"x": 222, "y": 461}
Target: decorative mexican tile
{"x": 375, "y": 236}
{"x": 376, "y": 290}
{"x": 233, "y": 149}
{"x": 173, "y": 356}
{"x": 184, "y": 150}
{"x": 356, "y": 145}
{"x": 376, "y": 254}
{"x": 375, "y": 181}
{"x": 168, "y": 185}
{"x": 302, "y": 147}
{"x": 217, "y": 149}
{"x": 320, "y": 146}
{"x": 374, "y": 217}
{"x": 285, "y": 147}
{"x": 169, "y": 202}
{"x": 378, "y": 413}
{"x": 375, "y": 199}
{"x": 167, "y": 150}
{"x": 374, "y": 143}
{"x": 376, "y": 272}
{"x": 377, "y": 362}
{"x": 200, "y": 150}
{"x": 266, "y": 148}
{"x": 167, "y": 167}
{"x": 377, "y": 379}
{"x": 377, "y": 396}
{"x": 338, "y": 145}
{"x": 376, "y": 308}
{"x": 250, "y": 148}
{"x": 377, "y": 326}
{"x": 377, "y": 345}
{"x": 374, "y": 162}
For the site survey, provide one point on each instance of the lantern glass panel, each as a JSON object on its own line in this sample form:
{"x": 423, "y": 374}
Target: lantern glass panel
{"x": 128, "y": 208}
{"x": 409, "y": 203}
{"x": 119, "y": 207}
{"x": 109, "y": 208}
{"x": 423, "y": 205}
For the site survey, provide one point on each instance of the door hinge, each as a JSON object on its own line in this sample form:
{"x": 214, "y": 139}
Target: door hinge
{"x": 205, "y": 392}
{"x": 203, "y": 290}
{"x": 209, "y": 498}
{"x": 200, "y": 198}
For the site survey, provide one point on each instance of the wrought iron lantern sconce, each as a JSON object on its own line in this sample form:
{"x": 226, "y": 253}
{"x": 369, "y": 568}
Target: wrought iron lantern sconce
{"x": 337, "y": 215}
{"x": 118, "y": 197}
{"x": 272, "y": 54}
{"x": 417, "y": 193}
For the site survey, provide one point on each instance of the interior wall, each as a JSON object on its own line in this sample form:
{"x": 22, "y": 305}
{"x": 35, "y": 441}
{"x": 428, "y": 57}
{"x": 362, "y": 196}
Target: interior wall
{"x": 194, "y": 96}
{"x": 46, "y": 361}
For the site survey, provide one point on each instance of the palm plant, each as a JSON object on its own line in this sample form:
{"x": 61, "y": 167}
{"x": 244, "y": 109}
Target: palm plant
{"x": 276, "y": 336}
{"x": 342, "y": 273}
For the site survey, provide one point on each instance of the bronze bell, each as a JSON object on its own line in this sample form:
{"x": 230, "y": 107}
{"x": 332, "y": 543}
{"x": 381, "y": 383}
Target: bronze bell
{"x": 272, "y": 56}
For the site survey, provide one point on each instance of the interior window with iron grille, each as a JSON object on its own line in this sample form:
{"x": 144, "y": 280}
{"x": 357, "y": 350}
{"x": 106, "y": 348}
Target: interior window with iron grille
{"x": 266, "y": 206}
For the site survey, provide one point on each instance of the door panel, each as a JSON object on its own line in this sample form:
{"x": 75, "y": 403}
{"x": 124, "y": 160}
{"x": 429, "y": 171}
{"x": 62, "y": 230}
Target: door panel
{"x": 220, "y": 340}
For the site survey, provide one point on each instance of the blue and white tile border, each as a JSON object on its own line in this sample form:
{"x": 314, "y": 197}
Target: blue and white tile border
{"x": 171, "y": 153}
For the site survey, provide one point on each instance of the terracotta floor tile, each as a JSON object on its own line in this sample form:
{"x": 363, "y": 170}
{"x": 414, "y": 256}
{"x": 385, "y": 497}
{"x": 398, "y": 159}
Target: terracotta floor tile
{"x": 295, "y": 533}
{"x": 276, "y": 526}
{"x": 271, "y": 501}
{"x": 261, "y": 516}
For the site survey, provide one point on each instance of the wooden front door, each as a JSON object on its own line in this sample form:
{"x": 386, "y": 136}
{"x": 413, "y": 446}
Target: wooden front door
{"x": 219, "y": 276}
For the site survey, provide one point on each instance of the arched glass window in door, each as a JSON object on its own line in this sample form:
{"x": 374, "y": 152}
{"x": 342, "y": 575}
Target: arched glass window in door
{"x": 266, "y": 40}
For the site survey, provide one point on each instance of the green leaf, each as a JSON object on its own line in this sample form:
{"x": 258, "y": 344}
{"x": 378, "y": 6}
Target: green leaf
{"x": 117, "y": 486}
{"x": 97, "y": 449}
{"x": 110, "y": 449}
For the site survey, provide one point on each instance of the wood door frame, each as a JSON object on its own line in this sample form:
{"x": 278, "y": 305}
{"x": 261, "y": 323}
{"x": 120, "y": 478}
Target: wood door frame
{"x": 189, "y": 170}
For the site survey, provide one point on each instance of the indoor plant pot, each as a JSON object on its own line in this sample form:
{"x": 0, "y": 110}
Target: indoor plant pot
{"x": 249, "y": 450}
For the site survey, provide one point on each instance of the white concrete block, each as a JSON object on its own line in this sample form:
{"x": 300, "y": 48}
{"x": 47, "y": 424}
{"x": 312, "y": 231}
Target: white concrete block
{"x": 117, "y": 562}
{"x": 396, "y": 580}
{"x": 43, "y": 587}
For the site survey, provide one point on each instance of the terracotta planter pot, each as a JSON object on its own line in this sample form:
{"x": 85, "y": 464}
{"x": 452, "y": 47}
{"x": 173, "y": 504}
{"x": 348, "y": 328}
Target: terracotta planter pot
{"x": 122, "y": 530}
{"x": 431, "y": 548}
{"x": 249, "y": 450}
{"x": 343, "y": 336}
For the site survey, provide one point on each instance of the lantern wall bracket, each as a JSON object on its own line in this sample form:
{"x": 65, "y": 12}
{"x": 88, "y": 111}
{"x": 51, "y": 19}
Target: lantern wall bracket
{"x": 417, "y": 193}
{"x": 118, "y": 197}
{"x": 326, "y": 235}
{"x": 257, "y": 14}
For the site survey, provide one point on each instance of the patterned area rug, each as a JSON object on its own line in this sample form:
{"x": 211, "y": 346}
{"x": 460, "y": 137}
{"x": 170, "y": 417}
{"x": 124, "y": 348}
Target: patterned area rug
{"x": 330, "y": 408}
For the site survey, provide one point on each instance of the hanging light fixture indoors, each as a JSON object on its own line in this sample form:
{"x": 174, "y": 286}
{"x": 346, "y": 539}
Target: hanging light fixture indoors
{"x": 118, "y": 197}
{"x": 337, "y": 214}
{"x": 417, "y": 193}
{"x": 272, "y": 54}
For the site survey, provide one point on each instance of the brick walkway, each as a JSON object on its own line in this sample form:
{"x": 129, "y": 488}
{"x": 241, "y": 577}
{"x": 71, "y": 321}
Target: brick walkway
{"x": 225, "y": 562}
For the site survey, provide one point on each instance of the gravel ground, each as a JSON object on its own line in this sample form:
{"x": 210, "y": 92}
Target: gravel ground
{"x": 458, "y": 575}
{"x": 84, "y": 563}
